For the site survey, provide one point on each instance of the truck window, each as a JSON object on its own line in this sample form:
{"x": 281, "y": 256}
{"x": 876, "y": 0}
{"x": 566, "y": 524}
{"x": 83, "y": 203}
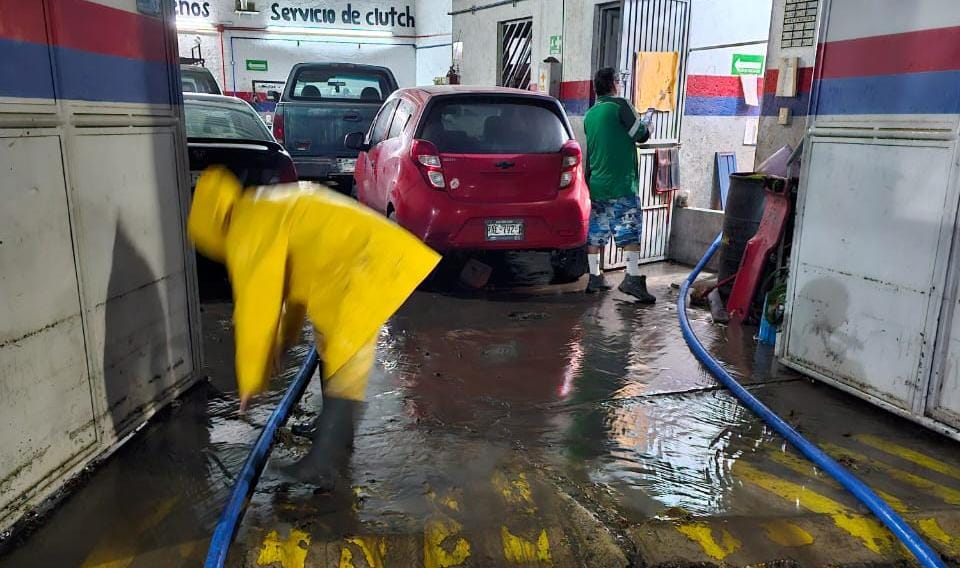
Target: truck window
{"x": 490, "y": 126}
{"x": 313, "y": 84}
{"x": 198, "y": 81}
{"x": 381, "y": 124}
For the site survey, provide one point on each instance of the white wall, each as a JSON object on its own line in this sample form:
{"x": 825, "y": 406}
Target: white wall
{"x": 707, "y": 128}
{"x": 263, "y": 37}
{"x": 434, "y": 44}
{"x": 714, "y": 122}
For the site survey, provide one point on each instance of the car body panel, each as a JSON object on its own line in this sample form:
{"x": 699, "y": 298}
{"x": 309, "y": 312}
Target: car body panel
{"x": 389, "y": 181}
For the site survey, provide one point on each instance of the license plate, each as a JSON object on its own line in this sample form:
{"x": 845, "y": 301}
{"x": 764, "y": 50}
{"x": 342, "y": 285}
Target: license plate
{"x": 347, "y": 165}
{"x": 505, "y": 230}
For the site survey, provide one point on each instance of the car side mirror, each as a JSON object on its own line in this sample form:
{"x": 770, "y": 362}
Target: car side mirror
{"x": 274, "y": 96}
{"x": 355, "y": 141}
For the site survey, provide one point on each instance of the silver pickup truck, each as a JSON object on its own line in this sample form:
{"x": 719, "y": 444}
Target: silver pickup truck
{"x": 320, "y": 104}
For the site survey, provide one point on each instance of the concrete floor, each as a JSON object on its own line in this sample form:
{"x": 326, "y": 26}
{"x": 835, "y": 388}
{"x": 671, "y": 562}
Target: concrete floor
{"x": 548, "y": 428}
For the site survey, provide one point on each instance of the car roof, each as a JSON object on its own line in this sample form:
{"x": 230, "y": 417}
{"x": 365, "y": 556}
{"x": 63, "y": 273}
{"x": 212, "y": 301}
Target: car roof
{"x": 222, "y": 100}
{"x": 430, "y": 91}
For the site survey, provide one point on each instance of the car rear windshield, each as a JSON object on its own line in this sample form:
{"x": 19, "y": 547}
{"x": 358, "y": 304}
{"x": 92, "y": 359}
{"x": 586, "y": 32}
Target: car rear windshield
{"x": 226, "y": 121}
{"x": 314, "y": 84}
{"x": 494, "y": 125}
{"x": 196, "y": 81}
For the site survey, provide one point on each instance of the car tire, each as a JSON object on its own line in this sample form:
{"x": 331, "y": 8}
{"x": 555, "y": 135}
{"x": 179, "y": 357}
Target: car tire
{"x": 569, "y": 265}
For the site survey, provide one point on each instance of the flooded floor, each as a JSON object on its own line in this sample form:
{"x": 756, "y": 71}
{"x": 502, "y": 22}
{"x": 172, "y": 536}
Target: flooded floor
{"x": 544, "y": 428}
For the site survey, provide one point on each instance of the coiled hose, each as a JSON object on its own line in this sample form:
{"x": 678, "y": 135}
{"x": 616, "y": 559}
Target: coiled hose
{"x": 229, "y": 521}
{"x": 925, "y": 555}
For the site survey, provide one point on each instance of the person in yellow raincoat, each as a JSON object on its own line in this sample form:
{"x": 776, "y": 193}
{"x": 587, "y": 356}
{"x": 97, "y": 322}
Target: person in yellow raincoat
{"x": 300, "y": 250}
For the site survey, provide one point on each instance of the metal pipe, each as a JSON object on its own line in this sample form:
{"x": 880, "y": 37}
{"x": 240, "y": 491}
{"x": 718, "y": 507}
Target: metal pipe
{"x": 476, "y": 8}
{"x": 226, "y": 528}
{"x": 726, "y": 45}
{"x": 925, "y": 555}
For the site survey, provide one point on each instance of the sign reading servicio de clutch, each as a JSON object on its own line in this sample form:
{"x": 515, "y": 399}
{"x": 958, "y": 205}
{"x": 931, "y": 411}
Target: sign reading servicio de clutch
{"x": 323, "y": 14}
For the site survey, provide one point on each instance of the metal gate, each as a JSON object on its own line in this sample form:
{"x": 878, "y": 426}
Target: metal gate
{"x": 516, "y": 40}
{"x": 653, "y": 25}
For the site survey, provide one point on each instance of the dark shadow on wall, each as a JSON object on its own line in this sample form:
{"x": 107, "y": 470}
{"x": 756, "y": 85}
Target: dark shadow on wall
{"x": 135, "y": 339}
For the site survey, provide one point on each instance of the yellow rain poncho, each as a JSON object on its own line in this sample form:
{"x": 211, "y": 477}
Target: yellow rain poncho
{"x": 300, "y": 249}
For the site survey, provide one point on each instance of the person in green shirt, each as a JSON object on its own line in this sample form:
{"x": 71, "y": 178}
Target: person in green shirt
{"x": 613, "y": 130}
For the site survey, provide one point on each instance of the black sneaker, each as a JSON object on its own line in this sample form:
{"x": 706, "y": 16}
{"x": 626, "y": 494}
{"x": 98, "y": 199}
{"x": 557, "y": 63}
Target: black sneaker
{"x": 636, "y": 286}
{"x": 597, "y": 284}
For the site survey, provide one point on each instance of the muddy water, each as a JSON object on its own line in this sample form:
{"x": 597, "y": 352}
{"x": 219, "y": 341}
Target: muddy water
{"x": 597, "y": 394}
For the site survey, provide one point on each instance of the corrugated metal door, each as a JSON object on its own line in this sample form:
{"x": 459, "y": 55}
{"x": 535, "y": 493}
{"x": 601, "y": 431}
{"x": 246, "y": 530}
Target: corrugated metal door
{"x": 653, "y": 25}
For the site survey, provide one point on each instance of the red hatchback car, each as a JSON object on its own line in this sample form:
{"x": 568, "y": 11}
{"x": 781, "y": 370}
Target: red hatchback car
{"x": 470, "y": 168}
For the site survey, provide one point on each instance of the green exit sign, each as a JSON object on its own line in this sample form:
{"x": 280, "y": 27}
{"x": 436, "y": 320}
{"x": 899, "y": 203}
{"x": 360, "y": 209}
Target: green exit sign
{"x": 256, "y": 64}
{"x": 746, "y": 64}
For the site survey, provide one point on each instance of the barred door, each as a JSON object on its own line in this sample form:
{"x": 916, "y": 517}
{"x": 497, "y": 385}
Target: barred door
{"x": 516, "y": 40}
{"x": 653, "y": 25}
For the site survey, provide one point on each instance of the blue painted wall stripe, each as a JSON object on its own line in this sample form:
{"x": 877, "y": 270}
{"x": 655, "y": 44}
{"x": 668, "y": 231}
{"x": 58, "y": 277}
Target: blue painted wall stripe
{"x": 911, "y": 93}
{"x": 86, "y": 76}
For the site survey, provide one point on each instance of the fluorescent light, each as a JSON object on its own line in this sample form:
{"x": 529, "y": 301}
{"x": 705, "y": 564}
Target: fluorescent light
{"x": 192, "y": 26}
{"x": 297, "y": 30}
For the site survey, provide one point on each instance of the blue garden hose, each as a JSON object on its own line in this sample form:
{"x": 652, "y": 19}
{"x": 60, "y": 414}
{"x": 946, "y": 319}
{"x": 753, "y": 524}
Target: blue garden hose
{"x": 925, "y": 555}
{"x": 229, "y": 521}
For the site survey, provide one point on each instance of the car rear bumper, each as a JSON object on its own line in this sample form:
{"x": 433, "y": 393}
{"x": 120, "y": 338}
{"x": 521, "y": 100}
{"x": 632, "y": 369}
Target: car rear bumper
{"x": 320, "y": 168}
{"x": 447, "y": 225}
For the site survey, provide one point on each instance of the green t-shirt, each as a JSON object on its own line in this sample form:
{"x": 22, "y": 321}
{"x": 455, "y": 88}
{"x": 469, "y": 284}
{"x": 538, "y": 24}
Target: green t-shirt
{"x": 613, "y": 129}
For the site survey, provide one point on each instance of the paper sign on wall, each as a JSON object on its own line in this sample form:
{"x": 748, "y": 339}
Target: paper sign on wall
{"x": 656, "y": 80}
{"x": 749, "y": 85}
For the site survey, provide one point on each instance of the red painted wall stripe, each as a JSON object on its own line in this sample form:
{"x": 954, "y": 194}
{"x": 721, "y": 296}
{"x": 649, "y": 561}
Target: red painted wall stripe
{"x": 22, "y": 21}
{"x": 84, "y": 26}
{"x": 576, "y": 89}
{"x": 100, "y": 29}
{"x": 910, "y": 52}
{"x": 804, "y": 80}
{"x": 717, "y": 86}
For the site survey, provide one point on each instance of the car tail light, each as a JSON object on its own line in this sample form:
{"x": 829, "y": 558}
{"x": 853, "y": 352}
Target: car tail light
{"x": 427, "y": 158}
{"x": 278, "y": 126}
{"x": 288, "y": 172}
{"x": 570, "y": 157}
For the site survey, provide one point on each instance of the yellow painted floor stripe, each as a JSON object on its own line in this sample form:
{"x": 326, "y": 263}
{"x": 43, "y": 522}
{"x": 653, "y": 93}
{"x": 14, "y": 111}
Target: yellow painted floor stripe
{"x": 288, "y": 553}
{"x": 787, "y": 534}
{"x": 935, "y": 532}
{"x": 703, "y": 534}
{"x": 516, "y": 492}
{"x": 118, "y": 549}
{"x": 869, "y": 531}
{"x": 522, "y": 551}
{"x": 947, "y": 494}
{"x": 443, "y": 545}
{"x": 908, "y": 454}
{"x": 804, "y": 467}
{"x": 372, "y": 549}
{"x": 929, "y": 527}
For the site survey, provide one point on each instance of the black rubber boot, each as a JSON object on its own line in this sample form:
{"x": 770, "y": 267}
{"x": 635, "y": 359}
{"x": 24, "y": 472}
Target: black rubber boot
{"x": 636, "y": 286}
{"x": 332, "y": 442}
{"x": 596, "y": 284}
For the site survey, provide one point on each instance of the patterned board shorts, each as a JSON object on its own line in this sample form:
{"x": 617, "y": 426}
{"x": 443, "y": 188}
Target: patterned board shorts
{"x": 618, "y": 217}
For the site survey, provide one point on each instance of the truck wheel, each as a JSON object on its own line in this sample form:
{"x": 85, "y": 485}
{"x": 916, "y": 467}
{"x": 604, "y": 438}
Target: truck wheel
{"x": 569, "y": 265}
